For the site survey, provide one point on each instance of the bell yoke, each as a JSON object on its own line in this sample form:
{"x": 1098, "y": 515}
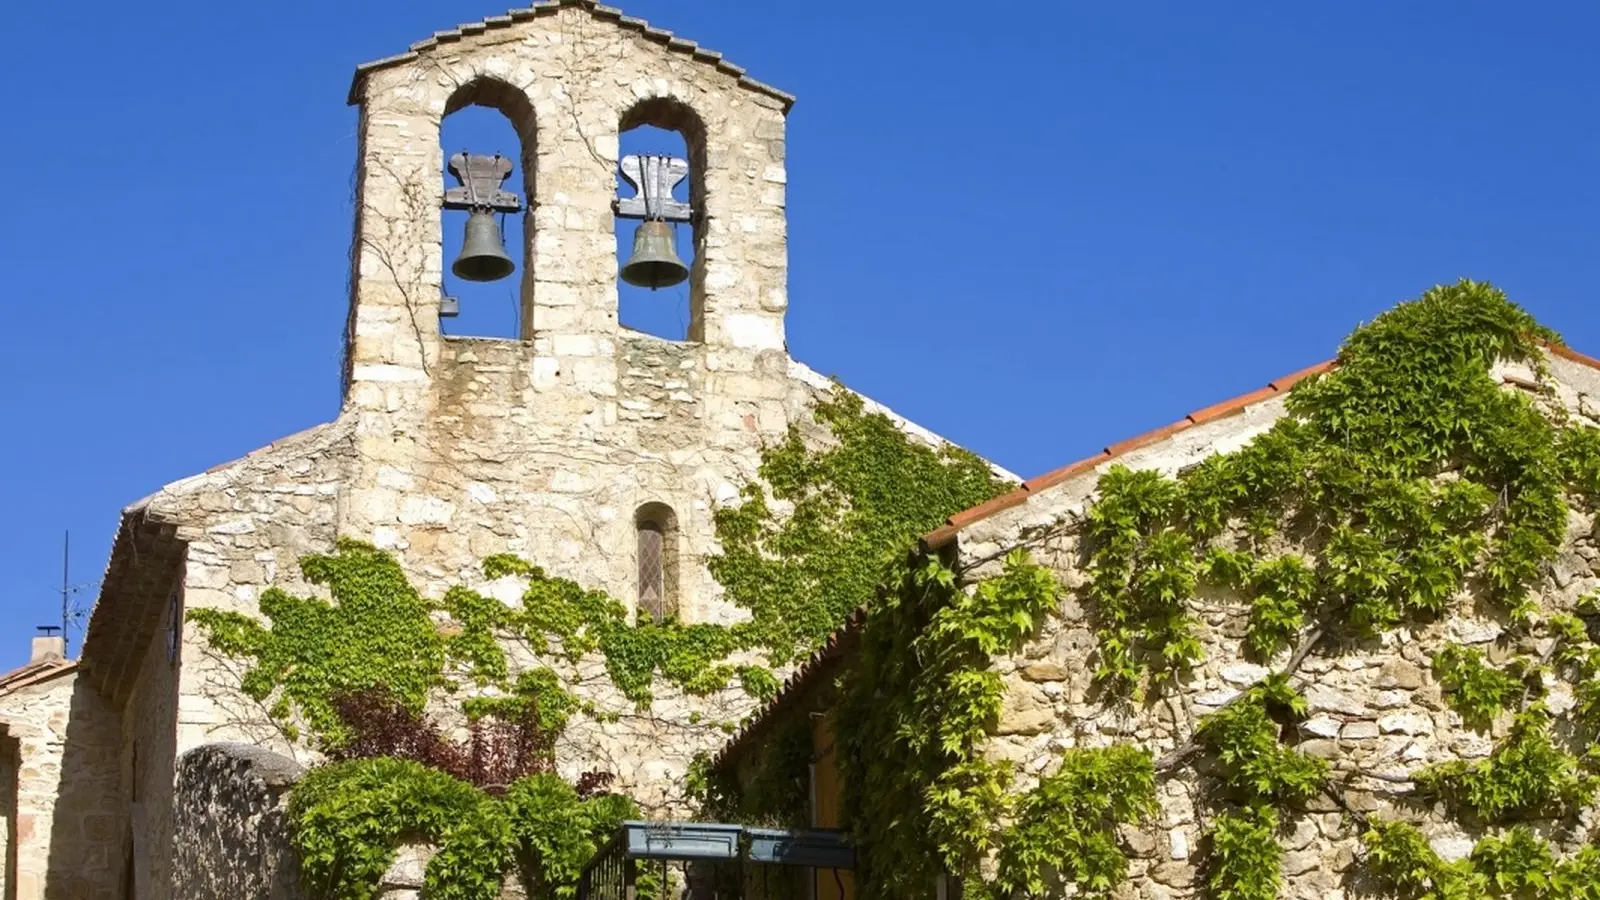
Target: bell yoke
{"x": 483, "y": 252}
{"x": 654, "y": 262}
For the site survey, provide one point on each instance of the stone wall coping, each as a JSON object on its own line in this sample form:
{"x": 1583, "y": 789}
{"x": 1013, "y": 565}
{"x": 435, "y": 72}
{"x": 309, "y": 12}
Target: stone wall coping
{"x": 274, "y": 770}
{"x": 604, "y": 13}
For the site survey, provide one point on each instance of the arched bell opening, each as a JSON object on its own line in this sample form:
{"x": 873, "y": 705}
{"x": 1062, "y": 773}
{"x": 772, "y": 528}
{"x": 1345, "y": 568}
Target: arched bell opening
{"x": 655, "y": 528}
{"x": 660, "y": 223}
{"x": 488, "y": 248}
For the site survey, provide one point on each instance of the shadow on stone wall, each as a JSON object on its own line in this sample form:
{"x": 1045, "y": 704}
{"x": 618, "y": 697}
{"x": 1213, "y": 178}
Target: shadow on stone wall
{"x": 230, "y": 828}
{"x": 10, "y": 753}
{"x": 88, "y": 825}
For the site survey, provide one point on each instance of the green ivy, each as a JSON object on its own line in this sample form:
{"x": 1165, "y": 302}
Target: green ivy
{"x": 912, "y": 714}
{"x": 1284, "y": 589}
{"x": 347, "y": 819}
{"x": 376, "y": 632}
{"x": 1399, "y": 857}
{"x": 1258, "y": 774}
{"x": 857, "y": 504}
{"x": 1528, "y": 773}
{"x": 1066, "y": 827}
{"x": 1243, "y": 738}
{"x": 559, "y": 616}
{"x": 1355, "y": 462}
{"x": 1475, "y": 689}
{"x": 1141, "y": 573}
{"x": 1520, "y": 864}
{"x": 1245, "y": 857}
{"x": 1515, "y": 864}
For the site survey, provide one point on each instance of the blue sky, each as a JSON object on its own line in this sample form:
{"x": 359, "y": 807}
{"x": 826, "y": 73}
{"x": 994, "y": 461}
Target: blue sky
{"x": 1035, "y": 227}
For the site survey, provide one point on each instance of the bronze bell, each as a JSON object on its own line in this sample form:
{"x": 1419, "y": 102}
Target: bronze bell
{"x": 483, "y": 253}
{"x": 655, "y": 262}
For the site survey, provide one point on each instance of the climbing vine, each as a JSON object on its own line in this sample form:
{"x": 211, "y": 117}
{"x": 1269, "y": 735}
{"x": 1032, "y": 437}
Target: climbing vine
{"x": 914, "y": 712}
{"x": 1400, "y": 481}
{"x": 1066, "y": 827}
{"x": 855, "y": 502}
{"x": 1516, "y": 864}
{"x": 1527, "y": 774}
{"x": 855, "y": 505}
{"x": 347, "y": 818}
{"x": 375, "y": 632}
{"x": 1259, "y": 775}
{"x": 559, "y": 617}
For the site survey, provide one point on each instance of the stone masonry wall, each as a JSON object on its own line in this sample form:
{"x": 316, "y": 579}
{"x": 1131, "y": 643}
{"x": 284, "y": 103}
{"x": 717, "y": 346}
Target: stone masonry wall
{"x": 1376, "y": 711}
{"x": 69, "y": 827}
{"x": 231, "y": 837}
{"x": 547, "y": 446}
{"x": 449, "y": 450}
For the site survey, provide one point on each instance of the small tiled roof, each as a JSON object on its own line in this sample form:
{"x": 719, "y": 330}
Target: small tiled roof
{"x": 844, "y": 639}
{"x": 839, "y": 645}
{"x": 34, "y": 672}
{"x": 146, "y": 559}
{"x": 604, "y": 13}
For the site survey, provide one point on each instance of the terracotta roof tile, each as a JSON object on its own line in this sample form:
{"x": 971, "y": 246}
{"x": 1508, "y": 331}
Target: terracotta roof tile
{"x": 1289, "y": 381}
{"x": 1051, "y": 479}
{"x": 1232, "y": 407}
{"x": 1148, "y": 438}
{"x": 35, "y": 672}
{"x": 838, "y": 643}
{"x": 989, "y": 507}
{"x": 1567, "y": 353}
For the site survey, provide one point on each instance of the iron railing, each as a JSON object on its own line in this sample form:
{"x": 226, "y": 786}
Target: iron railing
{"x": 709, "y": 861}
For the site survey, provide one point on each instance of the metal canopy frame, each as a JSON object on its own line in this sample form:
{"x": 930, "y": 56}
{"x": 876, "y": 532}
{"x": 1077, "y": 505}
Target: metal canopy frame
{"x": 646, "y": 860}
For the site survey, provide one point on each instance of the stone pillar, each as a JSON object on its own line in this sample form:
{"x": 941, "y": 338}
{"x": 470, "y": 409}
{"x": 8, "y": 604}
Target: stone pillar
{"x": 231, "y": 838}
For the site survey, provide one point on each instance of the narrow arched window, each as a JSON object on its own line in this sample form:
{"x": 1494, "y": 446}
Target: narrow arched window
{"x": 656, "y": 529}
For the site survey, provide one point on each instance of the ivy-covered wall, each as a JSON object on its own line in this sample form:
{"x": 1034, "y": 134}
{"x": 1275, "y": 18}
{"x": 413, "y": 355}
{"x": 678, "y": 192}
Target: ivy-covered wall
{"x": 1336, "y": 642}
{"x": 618, "y": 702}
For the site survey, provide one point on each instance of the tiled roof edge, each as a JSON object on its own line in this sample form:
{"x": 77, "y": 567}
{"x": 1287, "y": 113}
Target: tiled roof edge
{"x": 838, "y": 645}
{"x": 839, "y": 642}
{"x": 34, "y": 673}
{"x": 604, "y": 13}
{"x": 961, "y": 520}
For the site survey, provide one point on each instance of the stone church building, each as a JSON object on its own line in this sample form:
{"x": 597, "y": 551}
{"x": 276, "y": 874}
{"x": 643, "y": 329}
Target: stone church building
{"x": 563, "y": 445}
{"x": 601, "y": 454}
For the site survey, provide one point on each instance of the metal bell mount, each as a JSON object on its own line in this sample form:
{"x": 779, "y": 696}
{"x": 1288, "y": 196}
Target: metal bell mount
{"x": 483, "y": 254}
{"x": 654, "y": 262}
